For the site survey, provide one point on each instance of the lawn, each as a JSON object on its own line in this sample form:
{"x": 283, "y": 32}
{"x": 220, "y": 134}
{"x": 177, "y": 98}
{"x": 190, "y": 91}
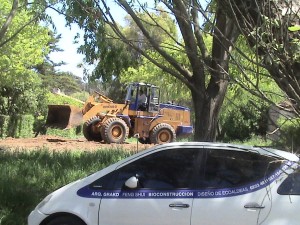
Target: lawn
{"x": 26, "y": 177}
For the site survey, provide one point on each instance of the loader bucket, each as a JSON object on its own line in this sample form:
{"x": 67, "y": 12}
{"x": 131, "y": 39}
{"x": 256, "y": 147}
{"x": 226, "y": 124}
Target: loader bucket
{"x": 63, "y": 116}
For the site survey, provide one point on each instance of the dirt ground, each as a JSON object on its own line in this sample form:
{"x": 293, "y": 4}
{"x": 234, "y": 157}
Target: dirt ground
{"x": 59, "y": 144}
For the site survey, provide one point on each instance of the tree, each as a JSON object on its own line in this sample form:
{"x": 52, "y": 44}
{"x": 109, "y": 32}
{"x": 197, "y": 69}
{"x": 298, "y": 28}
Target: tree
{"x": 205, "y": 73}
{"x": 47, "y": 67}
{"x": 11, "y": 9}
{"x": 172, "y": 89}
{"x": 244, "y": 114}
{"x": 271, "y": 29}
{"x": 20, "y": 86}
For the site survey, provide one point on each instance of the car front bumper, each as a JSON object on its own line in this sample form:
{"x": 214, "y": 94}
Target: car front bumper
{"x": 36, "y": 217}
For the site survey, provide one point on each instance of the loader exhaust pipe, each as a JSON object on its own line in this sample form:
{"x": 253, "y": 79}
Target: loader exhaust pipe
{"x": 63, "y": 116}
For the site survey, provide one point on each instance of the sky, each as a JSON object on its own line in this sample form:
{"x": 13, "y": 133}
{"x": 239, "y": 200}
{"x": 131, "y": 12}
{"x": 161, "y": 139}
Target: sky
{"x": 70, "y": 55}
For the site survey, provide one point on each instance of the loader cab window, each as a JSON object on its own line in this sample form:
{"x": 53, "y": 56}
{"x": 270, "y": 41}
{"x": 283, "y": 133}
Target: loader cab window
{"x": 132, "y": 97}
{"x": 154, "y": 99}
{"x": 131, "y": 94}
{"x": 143, "y": 97}
{"x": 138, "y": 97}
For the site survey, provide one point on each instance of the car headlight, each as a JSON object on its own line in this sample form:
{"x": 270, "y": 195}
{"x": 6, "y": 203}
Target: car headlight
{"x": 44, "y": 201}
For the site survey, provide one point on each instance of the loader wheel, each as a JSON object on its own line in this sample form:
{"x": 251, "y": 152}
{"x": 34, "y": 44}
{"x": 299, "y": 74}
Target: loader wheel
{"x": 162, "y": 133}
{"x": 114, "y": 130}
{"x": 90, "y": 131}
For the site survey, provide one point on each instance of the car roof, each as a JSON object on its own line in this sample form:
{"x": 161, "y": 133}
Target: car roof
{"x": 227, "y": 146}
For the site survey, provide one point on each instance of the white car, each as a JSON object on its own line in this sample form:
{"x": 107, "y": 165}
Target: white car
{"x": 182, "y": 184}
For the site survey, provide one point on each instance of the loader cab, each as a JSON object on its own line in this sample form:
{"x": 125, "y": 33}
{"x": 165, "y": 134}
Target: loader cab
{"x": 151, "y": 94}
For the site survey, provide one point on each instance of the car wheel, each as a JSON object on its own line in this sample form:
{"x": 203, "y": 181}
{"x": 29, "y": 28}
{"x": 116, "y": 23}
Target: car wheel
{"x": 162, "y": 133}
{"x": 90, "y": 131}
{"x": 66, "y": 220}
{"x": 114, "y": 130}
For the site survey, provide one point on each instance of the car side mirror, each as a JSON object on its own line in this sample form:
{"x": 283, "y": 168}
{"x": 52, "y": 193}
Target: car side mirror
{"x": 132, "y": 182}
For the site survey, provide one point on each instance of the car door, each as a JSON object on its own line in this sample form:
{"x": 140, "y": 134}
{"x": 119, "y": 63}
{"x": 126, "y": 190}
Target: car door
{"x": 232, "y": 186}
{"x": 285, "y": 199}
{"x": 163, "y": 195}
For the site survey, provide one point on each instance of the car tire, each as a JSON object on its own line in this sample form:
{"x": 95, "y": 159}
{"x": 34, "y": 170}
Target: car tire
{"x": 66, "y": 220}
{"x": 90, "y": 131}
{"x": 162, "y": 133}
{"x": 114, "y": 130}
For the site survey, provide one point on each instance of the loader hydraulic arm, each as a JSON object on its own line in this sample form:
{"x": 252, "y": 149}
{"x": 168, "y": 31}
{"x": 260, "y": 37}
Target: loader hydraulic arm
{"x": 102, "y": 97}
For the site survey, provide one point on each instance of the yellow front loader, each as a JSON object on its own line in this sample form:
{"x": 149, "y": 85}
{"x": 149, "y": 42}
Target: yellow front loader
{"x": 104, "y": 120}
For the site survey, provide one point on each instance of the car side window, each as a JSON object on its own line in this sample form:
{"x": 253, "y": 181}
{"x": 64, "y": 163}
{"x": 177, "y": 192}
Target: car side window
{"x": 168, "y": 169}
{"x": 291, "y": 185}
{"x": 227, "y": 168}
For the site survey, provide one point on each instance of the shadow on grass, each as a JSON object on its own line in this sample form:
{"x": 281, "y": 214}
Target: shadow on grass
{"x": 26, "y": 177}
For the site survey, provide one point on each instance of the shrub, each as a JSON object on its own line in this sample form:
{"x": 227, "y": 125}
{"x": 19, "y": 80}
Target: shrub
{"x": 4, "y": 120}
{"x": 16, "y": 126}
{"x": 289, "y": 134}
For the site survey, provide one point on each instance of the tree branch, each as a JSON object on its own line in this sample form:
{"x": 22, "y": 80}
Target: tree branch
{"x": 9, "y": 19}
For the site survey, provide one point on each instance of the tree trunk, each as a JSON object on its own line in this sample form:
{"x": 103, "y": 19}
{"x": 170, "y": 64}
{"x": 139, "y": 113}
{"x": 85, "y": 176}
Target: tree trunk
{"x": 207, "y": 112}
{"x": 208, "y": 106}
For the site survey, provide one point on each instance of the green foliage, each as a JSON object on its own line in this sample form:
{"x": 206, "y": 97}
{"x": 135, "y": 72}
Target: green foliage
{"x": 28, "y": 47}
{"x": 172, "y": 89}
{"x": 294, "y": 28}
{"x": 244, "y": 111}
{"x": 255, "y": 141}
{"x": 253, "y": 78}
{"x": 100, "y": 41}
{"x": 27, "y": 177}
{"x": 242, "y": 117}
{"x": 20, "y": 86}
{"x": 69, "y": 133}
{"x": 114, "y": 57}
{"x": 60, "y": 99}
{"x": 289, "y": 134}
{"x": 159, "y": 25}
{"x": 20, "y": 93}
{"x": 66, "y": 82}
{"x": 4, "y": 121}
{"x": 16, "y": 126}
{"x": 82, "y": 95}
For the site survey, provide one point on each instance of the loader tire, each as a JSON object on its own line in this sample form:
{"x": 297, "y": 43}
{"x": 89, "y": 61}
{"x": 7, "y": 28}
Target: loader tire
{"x": 162, "y": 133}
{"x": 90, "y": 131}
{"x": 114, "y": 130}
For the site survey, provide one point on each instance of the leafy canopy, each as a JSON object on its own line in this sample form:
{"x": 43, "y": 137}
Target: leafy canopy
{"x": 20, "y": 85}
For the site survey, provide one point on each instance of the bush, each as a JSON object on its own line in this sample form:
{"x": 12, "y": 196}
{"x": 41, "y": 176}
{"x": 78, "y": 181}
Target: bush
{"x": 255, "y": 141}
{"x": 289, "y": 134}
{"x": 69, "y": 133}
{"x": 56, "y": 99}
{"x": 4, "y": 120}
{"x": 243, "y": 122}
{"x": 16, "y": 126}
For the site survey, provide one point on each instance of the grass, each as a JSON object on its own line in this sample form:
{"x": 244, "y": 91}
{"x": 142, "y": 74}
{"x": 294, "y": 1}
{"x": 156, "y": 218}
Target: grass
{"x": 26, "y": 177}
{"x": 255, "y": 141}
